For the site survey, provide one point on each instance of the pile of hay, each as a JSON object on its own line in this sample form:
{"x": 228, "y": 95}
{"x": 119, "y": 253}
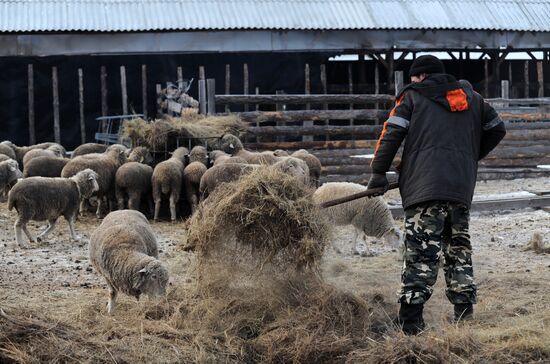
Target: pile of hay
{"x": 267, "y": 216}
{"x": 172, "y": 132}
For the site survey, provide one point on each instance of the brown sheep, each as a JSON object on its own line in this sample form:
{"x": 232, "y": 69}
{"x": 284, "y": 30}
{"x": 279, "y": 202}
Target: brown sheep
{"x": 21, "y": 151}
{"x": 222, "y": 173}
{"x": 168, "y": 180}
{"x": 39, "y": 199}
{"x": 106, "y": 165}
{"x": 89, "y": 148}
{"x": 53, "y": 151}
{"x": 218, "y": 157}
{"x": 232, "y": 145}
{"x": 313, "y": 164}
{"x": 44, "y": 167}
{"x": 141, "y": 155}
{"x": 6, "y": 150}
{"x": 132, "y": 181}
{"x": 9, "y": 173}
{"x": 124, "y": 250}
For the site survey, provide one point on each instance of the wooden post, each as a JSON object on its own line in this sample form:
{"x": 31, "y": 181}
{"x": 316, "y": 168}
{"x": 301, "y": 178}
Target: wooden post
{"x": 158, "y": 89}
{"x": 81, "y": 106}
{"x": 307, "y": 91}
{"x": 245, "y": 82}
{"x": 55, "y": 89}
{"x": 104, "y": 107}
{"x": 486, "y": 81}
{"x": 398, "y": 81}
{"x": 202, "y": 96}
{"x": 179, "y": 71}
{"x": 350, "y": 91}
{"x": 30, "y": 90}
{"x": 510, "y": 77}
{"x": 144, "y": 89}
{"x": 323, "y": 72}
{"x": 390, "y": 73}
{"x": 202, "y": 73}
{"x": 505, "y": 91}
{"x": 376, "y": 84}
{"x": 257, "y": 92}
{"x": 124, "y": 90}
{"x": 540, "y": 79}
{"x": 526, "y": 79}
{"x": 228, "y": 84}
{"x": 211, "y": 92}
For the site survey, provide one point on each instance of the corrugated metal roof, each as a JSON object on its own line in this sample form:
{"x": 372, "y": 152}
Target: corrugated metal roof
{"x": 142, "y": 15}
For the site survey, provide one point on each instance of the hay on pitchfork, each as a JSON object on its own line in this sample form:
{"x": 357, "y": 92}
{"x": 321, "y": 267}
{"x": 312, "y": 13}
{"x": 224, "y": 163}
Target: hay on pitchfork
{"x": 268, "y": 214}
{"x": 171, "y": 132}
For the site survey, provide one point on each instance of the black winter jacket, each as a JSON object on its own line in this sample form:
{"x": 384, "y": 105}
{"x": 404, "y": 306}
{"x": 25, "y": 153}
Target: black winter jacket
{"x": 448, "y": 129}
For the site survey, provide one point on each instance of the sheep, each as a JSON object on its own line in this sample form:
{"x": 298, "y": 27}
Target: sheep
{"x": 40, "y": 198}
{"x": 371, "y": 216}
{"x": 218, "y": 157}
{"x": 141, "y": 155}
{"x": 193, "y": 173}
{"x": 222, "y": 173}
{"x": 21, "y": 151}
{"x": 105, "y": 164}
{"x": 53, "y": 151}
{"x": 132, "y": 181}
{"x": 168, "y": 179}
{"x": 7, "y": 151}
{"x": 89, "y": 148}
{"x": 313, "y": 164}
{"x": 232, "y": 145}
{"x": 45, "y": 167}
{"x": 294, "y": 167}
{"x": 124, "y": 250}
{"x": 4, "y": 157}
{"x": 9, "y": 173}
{"x": 280, "y": 153}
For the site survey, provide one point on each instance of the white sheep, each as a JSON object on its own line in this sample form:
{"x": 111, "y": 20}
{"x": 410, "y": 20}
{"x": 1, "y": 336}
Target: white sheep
{"x": 42, "y": 198}
{"x": 124, "y": 250}
{"x": 9, "y": 173}
{"x": 368, "y": 216}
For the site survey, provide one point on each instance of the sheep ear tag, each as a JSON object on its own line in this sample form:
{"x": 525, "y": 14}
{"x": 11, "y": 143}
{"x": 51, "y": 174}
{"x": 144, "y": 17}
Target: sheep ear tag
{"x": 231, "y": 146}
{"x": 142, "y": 271}
{"x": 141, "y": 160}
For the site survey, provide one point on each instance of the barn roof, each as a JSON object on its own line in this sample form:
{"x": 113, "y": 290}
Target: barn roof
{"x": 176, "y": 15}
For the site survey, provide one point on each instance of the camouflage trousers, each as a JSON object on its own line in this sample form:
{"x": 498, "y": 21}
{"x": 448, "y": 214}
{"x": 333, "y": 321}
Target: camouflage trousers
{"x": 437, "y": 230}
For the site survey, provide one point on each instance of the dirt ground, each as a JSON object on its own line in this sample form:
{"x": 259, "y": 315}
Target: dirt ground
{"x": 55, "y": 277}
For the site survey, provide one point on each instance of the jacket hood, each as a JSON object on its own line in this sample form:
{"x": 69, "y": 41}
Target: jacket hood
{"x": 445, "y": 90}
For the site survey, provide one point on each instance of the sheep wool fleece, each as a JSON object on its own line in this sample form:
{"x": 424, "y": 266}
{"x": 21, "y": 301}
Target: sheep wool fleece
{"x": 435, "y": 230}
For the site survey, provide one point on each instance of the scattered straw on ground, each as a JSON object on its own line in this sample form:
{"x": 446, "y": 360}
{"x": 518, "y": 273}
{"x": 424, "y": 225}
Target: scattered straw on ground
{"x": 537, "y": 244}
{"x": 166, "y": 132}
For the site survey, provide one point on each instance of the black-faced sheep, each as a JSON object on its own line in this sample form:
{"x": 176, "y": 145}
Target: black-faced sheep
{"x": 124, "y": 250}
{"x": 368, "y": 216}
{"x": 9, "y": 173}
{"x": 168, "y": 180}
{"x": 313, "y": 164}
{"x": 45, "y": 167}
{"x": 45, "y": 199}
{"x": 105, "y": 165}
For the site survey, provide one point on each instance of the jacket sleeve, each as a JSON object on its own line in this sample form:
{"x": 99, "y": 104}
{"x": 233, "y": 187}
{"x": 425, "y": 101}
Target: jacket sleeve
{"x": 394, "y": 132}
{"x": 493, "y": 130}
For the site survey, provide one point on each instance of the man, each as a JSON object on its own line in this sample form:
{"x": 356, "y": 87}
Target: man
{"x": 448, "y": 129}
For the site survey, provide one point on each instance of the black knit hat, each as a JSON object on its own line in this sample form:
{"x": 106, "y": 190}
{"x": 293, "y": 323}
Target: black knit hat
{"x": 426, "y": 64}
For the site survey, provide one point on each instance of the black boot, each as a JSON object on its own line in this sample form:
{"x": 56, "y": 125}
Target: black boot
{"x": 463, "y": 312}
{"x": 410, "y": 318}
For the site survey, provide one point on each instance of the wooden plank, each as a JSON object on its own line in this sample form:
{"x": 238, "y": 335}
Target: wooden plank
{"x": 303, "y": 99}
{"x": 202, "y": 97}
{"x": 158, "y": 88}
{"x": 373, "y": 130}
{"x": 55, "y": 90}
{"x": 528, "y": 101}
{"x": 30, "y": 91}
{"x": 103, "y": 79}
{"x": 211, "y": 95}
{"x": 398, "y": 81}
{"x": 350, "y": 90}
{"x": 323, "y": 74}
{"x": 245, "y": 84}
{"x": 179, "y": 71}
{"x": 526, "y": 79}
{"x": 81, "y": 106}
{"x": 540, "y": 79}
{"x": 307, "y": 91}
{"x": 124, "y": 90}
{"x": 529, "y": 125}
{"x": 486, "y": 79}
{"x": 202, "y": 73}
{"x": 505, "y": 91}
{"x": 227, "y": 88}
{"x": 144, "y": 90}
{"x": 528, "y": 135}
{"x": 332, "y": 144}
{"x": 301, "y": 115}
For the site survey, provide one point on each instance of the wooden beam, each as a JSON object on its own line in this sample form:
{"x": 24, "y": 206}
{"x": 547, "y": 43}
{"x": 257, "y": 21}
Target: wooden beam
{"x": 540, "y": 79}
{"x": 81, "y": 106}
{"x": 202, "y": 96}
{"x": 307, "y": 91}
{"x": 55, "y": 90}
{"x": 30, "y": 92}
{"x": 103, "y": 79}
{"x": 526, "y": 79}
{"x": 211, "y": 95}
{"x": 227, "y": 88}
{"x": 301, "y": 115}
{"x": 245, "y": 83}
{"x": 372, "y": 130}
{"x": 124, "y": 90}
{"x": 398, "y": 82}
{"x": 304, "y": 99}
{"x": 332, "y": 144}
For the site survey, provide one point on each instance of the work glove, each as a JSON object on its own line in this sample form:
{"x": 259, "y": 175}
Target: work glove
{"x": 378, "y": 180}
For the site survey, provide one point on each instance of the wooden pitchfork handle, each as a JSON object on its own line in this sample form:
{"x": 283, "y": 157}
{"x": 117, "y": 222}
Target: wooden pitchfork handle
{"x": 367, "y": 193}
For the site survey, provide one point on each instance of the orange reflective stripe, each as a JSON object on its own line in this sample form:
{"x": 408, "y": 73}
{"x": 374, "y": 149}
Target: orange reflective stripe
{"x": 384, "y": 129}
{"x": 457, "y": 100}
